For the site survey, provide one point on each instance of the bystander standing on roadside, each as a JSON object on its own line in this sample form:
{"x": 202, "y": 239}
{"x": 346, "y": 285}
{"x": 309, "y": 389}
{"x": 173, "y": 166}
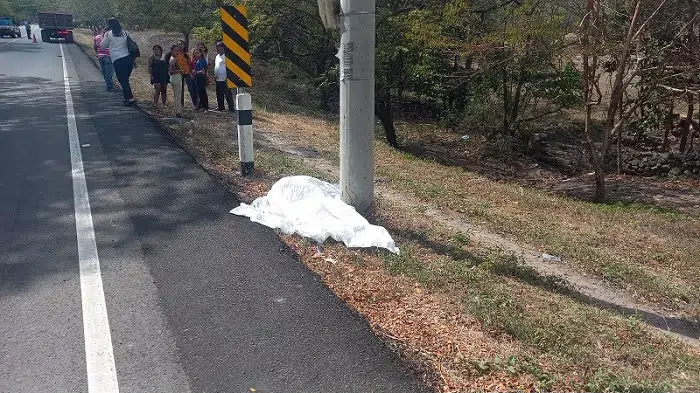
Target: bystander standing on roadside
{"x": 204, "y": 52}
{"x": 189, "y": 80}
{"x": 158, "y": 71}
{"x": 104, "y": 60}
{"x": 177, "y": 77}
{"x": 119, "y": 43}
{"x": 222, "y": 89}
{"x": 200, "y": 73}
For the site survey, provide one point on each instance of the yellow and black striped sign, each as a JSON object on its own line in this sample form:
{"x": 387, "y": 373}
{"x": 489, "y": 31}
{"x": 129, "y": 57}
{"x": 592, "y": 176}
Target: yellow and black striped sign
{"x": 234, "y": 23}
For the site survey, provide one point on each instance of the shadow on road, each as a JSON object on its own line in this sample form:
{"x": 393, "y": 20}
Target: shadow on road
{"x": 37, "y": 229}
{"x": 19, "y": 47}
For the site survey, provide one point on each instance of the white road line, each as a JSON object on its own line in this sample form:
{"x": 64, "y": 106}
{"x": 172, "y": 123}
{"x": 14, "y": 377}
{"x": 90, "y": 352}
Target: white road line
{"x": 8, "y": 43}
{"x": 101, "y": 370}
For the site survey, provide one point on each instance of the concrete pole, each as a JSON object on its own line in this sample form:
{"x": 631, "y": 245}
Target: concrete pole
{"x": 357, "y": 43}
{"x": 244, "y": 106}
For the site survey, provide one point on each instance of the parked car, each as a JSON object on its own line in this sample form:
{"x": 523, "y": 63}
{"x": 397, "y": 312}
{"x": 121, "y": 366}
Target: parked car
{"x": 9, "y": 28}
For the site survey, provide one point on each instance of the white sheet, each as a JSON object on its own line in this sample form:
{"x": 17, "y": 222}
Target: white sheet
{"x": 312, "y": 208}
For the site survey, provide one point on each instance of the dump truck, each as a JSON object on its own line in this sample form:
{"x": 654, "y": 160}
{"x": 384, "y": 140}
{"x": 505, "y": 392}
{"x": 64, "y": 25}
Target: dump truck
{"x": 56, "y": 25}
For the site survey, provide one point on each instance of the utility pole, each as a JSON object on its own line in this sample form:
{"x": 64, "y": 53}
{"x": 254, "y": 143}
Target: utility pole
{"x": 357, "y": 46}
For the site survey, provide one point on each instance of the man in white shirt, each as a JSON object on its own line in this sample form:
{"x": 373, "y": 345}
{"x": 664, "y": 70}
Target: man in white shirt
{"x": 222, "y": 89}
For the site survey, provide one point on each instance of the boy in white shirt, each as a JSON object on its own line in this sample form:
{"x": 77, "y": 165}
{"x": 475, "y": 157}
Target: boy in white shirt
{"x": 222, "y": 89}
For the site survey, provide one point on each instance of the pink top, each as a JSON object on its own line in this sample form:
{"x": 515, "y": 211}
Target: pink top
{"x": 101, "y": 52}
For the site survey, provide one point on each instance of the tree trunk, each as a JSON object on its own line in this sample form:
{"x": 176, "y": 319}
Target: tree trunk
{"x": 686, "y": 126}
{"x": 692, "y": 137}
{"x": 669, "y": 124}
{"x": 515, "y": 104}
{"x": 186, "y": 36}
{"x": 599, "y": 185}
{"x": 324, "y": 98}
{"x": 506, "y": 100}
{"x": 619, "y": 139}
{"x": 619, "y": 150}
{"x": 468, "y": 63}
{"x": 590, "y": 67}
{"x": 385, "y": 113}
{"x": 694, "y": 130}
{"x": 694, "y": 53}
{"x": 596, "y": 161}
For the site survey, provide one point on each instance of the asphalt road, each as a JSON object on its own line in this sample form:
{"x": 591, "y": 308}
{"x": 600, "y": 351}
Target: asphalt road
{"x": 198, "y": 300}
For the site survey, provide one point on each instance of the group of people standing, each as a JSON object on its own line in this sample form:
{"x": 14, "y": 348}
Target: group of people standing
{"x": 177, "y": 67}
{"x": 184, "y": 70}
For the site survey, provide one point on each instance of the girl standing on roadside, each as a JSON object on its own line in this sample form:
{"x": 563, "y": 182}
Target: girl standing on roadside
{"x": 116, "y": 41}
{"x": 192, "y": 80}
{"x": 189, "y": 81}
{"x": 158, "y": 71}
{"x": 200, "y": 69}
{"x": 203, "y": 51}
{"x": 177, "y": 77}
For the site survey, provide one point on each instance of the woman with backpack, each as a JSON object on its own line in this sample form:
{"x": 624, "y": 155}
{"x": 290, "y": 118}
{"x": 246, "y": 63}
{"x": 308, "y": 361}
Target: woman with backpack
{"x": 124, "y": 52}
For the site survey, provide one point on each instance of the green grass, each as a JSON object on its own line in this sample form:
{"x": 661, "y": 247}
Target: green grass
{"x": 510, "y": 298}
{"x": 591, "y": 253}
{"x": 514, "y": 366}
{"x": 461, "y": 238}
{"x": 278, "y": 164}
{"x": 623, "y": 207}
{"x": 284, "y": 92}
{"x": 605, "y": 380}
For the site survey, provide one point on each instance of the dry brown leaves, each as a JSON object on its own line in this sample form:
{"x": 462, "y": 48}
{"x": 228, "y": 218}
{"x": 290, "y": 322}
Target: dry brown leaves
{"x": 428, "y": 328}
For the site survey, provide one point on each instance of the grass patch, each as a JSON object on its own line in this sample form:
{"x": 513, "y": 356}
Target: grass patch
{"x": 510, "y": 298}
{"x": 620, "y": 273}
{"x": 514, "y": 366}
{"x": 461, "y": 238}
{"x": 608, "y": 381}
{"x": 622, "y": 207}
{"x": 277, "y": 165}
{"x": 610, "y": 241}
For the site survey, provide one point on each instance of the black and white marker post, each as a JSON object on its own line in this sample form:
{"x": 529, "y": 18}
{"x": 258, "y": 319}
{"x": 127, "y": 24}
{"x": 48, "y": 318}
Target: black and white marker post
{"x": 244, "y": 107}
